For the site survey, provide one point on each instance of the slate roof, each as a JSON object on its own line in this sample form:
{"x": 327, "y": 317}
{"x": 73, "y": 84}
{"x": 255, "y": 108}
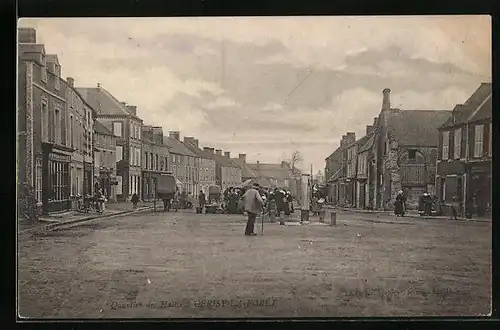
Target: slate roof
{"x": 101, "y": 129}
{"x": 368, "y": 144}
{"x": 336, "y": 175}
{"x": 103, "y": 101}
{"x": 224, "y": 161}
{"x": 463, "y": 112}
{"x": 177, "y": 147}
{"x": 485, "y": 110}
{"x": 271, "y": 170}
{"x": 246, "y": 171}
{"x": 338, "y": 150}
{"x": 416, "y": 127}
{"x": 197, "y": 151}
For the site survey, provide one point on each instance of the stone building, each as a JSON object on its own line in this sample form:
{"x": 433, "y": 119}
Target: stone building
{"x": 365, "y": 181}
{"x": 155, "y": 160}
{"x": 405, "y": 152}
{"x": 184, "y": 164}
{"x": 465, "y": 153}
{"x": 46, "y": 146}
{"x": 246, "y": 172}
{"x": 122, "y": 120}
{"x": 227, "y": 172}
{"x": 339, "y": 185}
{"x": 105, "y": 160}
{"x": 207, "y": 168}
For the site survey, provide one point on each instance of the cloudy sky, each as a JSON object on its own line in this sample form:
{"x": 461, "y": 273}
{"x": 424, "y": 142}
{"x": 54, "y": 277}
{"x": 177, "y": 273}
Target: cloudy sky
{"x": 270, "y": 85}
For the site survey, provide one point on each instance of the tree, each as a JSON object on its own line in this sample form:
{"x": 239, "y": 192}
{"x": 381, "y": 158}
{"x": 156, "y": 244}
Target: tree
{"x": 320, "y": 177}
{"x": 295, "y": 160}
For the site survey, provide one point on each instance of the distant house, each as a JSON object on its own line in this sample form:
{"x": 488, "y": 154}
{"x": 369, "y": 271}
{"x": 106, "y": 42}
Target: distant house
{"x": 339, "y": 187}
{"x": 155, "y": 159}
{"x": 184, "y": 164}
{"x": 465, "y": 153}
{"x": 207, "y": 167}
{"x": 280, "y": 175}
{"x": 365, "y": 176}
{"x": 105, "y": 160}
{"x": 406, "y": 146}
{"x": 246, "y": 172}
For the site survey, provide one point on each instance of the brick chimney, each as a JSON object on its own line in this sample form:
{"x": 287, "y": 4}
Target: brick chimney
{"x": 218, "y": 152}
{"x": 71, "y": 82}
{"x": 386, "y": 99}
{"x": 369, "y": 129}
{"x": 242, "y": 158}
{"x": 157, "y": 134}
{"x": 26, "y": 36}
{"x": 132, "y": 109}
{"x": 350, "y": 137}
{"x": 227, "y": 154}
{"x": 175, "y": 135}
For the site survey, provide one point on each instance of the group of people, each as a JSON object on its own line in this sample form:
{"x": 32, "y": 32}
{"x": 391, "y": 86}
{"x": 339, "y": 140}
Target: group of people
{"x": 232, "y": 198}
{"x": 426, "y": 204}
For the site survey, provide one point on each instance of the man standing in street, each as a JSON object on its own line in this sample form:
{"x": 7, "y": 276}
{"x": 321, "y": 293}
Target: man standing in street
{"x": 201, "y": 200}
{"x": 253, "y": 206}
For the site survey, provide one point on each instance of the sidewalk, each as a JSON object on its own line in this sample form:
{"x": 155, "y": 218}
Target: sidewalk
{"x": 409, "y": 214}
{"x": 75, "y": 216}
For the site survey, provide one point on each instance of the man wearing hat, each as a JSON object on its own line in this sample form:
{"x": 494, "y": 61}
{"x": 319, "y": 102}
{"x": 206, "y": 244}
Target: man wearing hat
{"x": 253, "y": 205}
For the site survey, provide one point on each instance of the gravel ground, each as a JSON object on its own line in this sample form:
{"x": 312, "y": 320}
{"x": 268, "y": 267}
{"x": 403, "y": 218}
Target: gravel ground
{"x": 190, "y": 265}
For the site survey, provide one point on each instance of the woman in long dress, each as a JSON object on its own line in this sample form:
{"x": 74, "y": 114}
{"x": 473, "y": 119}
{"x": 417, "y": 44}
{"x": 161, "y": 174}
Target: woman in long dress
{"x": 399, "y": 204}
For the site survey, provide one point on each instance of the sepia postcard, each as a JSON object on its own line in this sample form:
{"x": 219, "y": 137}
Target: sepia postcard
{"x": 254, "y": 167}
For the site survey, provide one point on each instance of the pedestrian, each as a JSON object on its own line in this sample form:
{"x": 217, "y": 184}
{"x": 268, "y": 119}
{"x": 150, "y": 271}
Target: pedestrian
{"x": 399, "y": 204}
{"x": 253, "y": 206}
{"x": 454, "y": 206}
{"x": 103, "y": 200}
{"x": 134, "y": 200}
{"x": 201, "y": 200}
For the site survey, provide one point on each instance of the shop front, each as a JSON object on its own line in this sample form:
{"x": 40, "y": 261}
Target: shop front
{"x": 55, "y": 179}
{"x": 479, "y": 189}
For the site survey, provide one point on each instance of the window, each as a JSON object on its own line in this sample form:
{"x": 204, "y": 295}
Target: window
{"x": 57, "y": 83}
{"x": 117, "y": 129}
{"x": 457, "y": 142}
{"x": 43, "y": 70}
{"x": 57, "y": 125}
{"x": 138, "y": 156}
{"x": 412, "y": 154}
{"x": 139, "y": 133}
{"x": 132, "y": 156}
{"x": 45, "y": 122}
{"x": 59, "y": 180}
{"x": 119, "y": 153}
{"x": 136, "y": 132}
{"x": 132, "y": 130}
{"x": 156, "y": 165}
{"x": 478, "y": 140}
{"x": 38, "y": 180}
{"x": 70, "y": 132}
{"x": 146, "y": 160}
{"x": 166, "y": 163}
{"x": 446, "y": 143}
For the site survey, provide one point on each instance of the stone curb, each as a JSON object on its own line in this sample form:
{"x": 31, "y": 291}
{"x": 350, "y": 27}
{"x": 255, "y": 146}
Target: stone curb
{"x": 408, "y": 216}
{"x": 61, "y": 223}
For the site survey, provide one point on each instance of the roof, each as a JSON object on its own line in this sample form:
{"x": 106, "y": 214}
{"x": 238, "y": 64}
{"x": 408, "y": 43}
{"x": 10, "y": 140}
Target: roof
{"x": 463, "y": 112}
{"x": 276, "y": 171}
{"x": 246, "y": 171}
{"x": 101, "y": 129}
{"x": 52, "y": 58}
{"x": 104, "y": 102}
{"x": 336, "y": 175}
{"x": 177, "y": 147}
{"x": 484, "y": 111}
{"x": 197, "y": 151}
{"x": 416, "y": 127}
{"x": 338, "y": 150}
{"x": 224, "y": 161}
{"x": 368, "y": 144}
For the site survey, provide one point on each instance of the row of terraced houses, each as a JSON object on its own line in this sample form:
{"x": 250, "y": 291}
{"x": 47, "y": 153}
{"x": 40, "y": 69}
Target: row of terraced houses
{"x": 443, "y": 152}
{"x": 73, "y": 140}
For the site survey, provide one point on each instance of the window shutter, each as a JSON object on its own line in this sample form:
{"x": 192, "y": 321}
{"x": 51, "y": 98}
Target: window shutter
{"x": 463, "y": 145}
{"x": 440, "y": 145}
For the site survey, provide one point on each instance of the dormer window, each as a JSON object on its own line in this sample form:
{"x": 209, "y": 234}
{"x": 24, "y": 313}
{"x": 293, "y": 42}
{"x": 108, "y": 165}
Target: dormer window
{"x": 57, "y": 83}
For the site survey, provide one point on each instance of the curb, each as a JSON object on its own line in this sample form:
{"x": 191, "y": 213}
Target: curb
{"x": 62, "y": 223}
{"x": 408, "y": 216}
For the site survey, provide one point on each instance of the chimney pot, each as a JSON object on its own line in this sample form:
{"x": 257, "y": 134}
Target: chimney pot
{"x": 98, "y": 85}
{"x": 243, "y": 158}
{"x": 218, "y": 152}
{"x": 386, "y": 100}
{"x": 369, "y": 129}
{"x": 175, "y": 135}
{"x": 227, "y": 154}
{"x": 71, "y": 81}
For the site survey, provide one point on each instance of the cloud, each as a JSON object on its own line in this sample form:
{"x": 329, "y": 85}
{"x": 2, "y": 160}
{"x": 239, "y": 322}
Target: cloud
{"x": 222, "y": 102}
{"x": 273, "y": 107}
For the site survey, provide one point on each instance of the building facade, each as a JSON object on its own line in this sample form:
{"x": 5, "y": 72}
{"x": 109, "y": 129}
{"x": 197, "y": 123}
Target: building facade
{"x": 207, "y": 167}
{"x": 365, "y": 184}
{"x": 405, "y": 145}
{"x": 227, "y": 172}
{"x": 46, "y": 148}
{"x": 184, "y": 164}
{"x": 465, "y": 153}
{"x": 105, "y": 160}
{"x": 155, "y": 160}
{"x": 122, "y": 120}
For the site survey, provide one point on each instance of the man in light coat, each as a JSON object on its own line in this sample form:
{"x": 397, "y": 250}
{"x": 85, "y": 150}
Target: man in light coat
{"x": 253, "y": 206}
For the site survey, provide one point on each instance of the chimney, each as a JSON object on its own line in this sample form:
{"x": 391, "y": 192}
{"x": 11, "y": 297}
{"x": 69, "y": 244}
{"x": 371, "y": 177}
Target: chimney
{"x": 242, "y": 158}
{"x": 375, "y": 122}
{"x": 386, "y": 101}
{"x": 227, "y": 154}
{"x": 132, "y": 109}
{"x": 196, "y": 143}
{"x": 26, "y": 36}
{"x": 71, "y": 82}
{"x": 350, "y": 137}
{"x": 218, "y": 152}
{"x": 98, "y": 85}
{"x": 124, "y": 103}
{"x": 258, "y": 165}
{"x": 190, "y": 140}
{"x": 209, "y": 150}
{"x": 369, "y": 129}
{"x": 175, "y": 135}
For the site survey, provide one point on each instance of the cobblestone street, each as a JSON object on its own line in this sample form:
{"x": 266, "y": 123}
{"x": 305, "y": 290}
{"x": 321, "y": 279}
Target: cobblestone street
{"x": 197, "y": 265}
